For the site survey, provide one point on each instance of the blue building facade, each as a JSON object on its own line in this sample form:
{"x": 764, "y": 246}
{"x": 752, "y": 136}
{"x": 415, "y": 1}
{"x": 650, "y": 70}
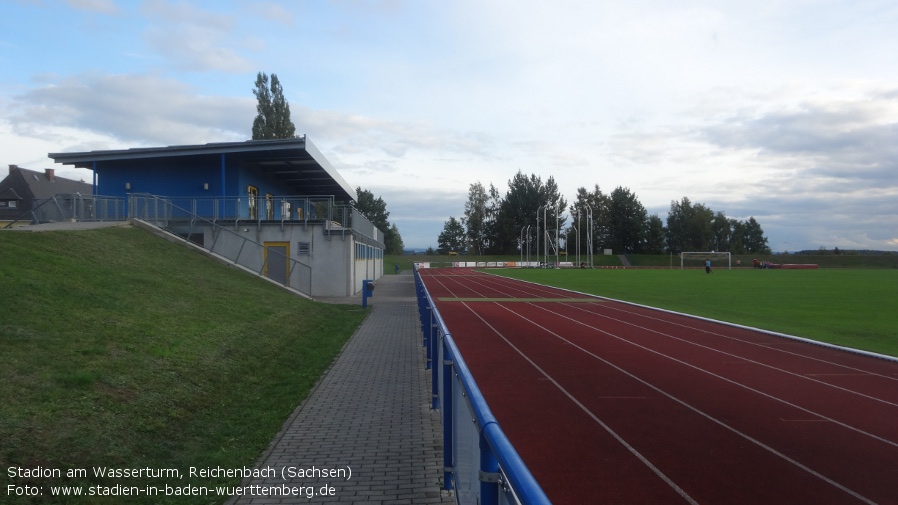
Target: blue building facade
{"x": 258, "y": 173}
{"x": 276, "y": 207}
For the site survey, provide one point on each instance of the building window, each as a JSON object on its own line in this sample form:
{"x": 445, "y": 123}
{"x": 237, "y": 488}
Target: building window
{"x": 269, "y": 206}
{"x": 253, "y": 201}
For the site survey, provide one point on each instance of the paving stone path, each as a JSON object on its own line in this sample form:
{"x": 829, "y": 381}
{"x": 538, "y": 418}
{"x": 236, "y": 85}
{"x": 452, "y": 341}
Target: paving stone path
{"x": 370, "y": 414}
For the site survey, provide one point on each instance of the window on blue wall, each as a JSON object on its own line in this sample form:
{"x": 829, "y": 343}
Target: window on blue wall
{"x": 253, "y": 201}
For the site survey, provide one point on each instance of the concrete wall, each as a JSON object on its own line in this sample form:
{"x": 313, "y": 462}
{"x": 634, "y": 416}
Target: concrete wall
{"x": 329, "y": 269}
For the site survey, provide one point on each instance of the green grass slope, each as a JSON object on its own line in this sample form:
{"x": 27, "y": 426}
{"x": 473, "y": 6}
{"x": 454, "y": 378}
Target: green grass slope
{"x": 119, "y": 349}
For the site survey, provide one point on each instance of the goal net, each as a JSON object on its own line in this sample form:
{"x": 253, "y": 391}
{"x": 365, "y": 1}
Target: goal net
{"x": 696, "y": 258}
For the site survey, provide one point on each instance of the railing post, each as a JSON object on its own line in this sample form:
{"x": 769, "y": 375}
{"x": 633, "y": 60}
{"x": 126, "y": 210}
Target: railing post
{"x": 428, "y": 337}
{"x": 448, "y": 428}
{"x": 434, "y": 370}
{"x": 489, "y": 473}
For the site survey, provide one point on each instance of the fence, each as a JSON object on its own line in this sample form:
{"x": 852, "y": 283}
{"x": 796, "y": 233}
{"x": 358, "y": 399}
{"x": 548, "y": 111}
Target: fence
{"x": 225, "y": 241}
{"x": 237, "y": 211}
{"x": 75, "y": 207}
{"x": 481, "y": 466}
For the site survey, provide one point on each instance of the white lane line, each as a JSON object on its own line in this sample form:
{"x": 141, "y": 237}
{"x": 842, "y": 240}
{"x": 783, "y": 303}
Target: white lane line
{"x": 767, "y": 345}
{"x": 601, "y": 423}
{"x": 809, "y": 377}
{"x": 770, "y": 346}
{"x": 708, "y": 372}
{"x": 693, "y": 408}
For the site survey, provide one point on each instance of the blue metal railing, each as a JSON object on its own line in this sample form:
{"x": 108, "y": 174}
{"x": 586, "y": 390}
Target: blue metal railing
{"x": 480, "y": 464}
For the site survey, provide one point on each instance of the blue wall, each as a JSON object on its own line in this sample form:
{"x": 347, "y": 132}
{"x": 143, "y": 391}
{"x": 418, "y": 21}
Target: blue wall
{"x": 168, "y": 177}
{"x": 185, "y": 178}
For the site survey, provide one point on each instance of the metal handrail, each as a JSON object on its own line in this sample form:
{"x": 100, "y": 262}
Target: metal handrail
{"x": 52, "y": 209}
{"x": 501, "y": 458}
{"x": 163, "y": 218}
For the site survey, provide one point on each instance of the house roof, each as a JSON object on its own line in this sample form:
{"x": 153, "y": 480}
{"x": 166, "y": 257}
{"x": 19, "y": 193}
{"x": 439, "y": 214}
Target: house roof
{"x": 9, "y": 194}
{"x": 293, "y": 162}
{"x": 42, "y": 185}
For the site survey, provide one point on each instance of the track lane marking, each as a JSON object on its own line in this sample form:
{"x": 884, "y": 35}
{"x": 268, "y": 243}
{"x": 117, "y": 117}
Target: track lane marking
{"x": 809, "y": 377}
{"x": 682, "y": 402}
{"x": 588, "y": 412}
{"x": 708, "y": 372}
{"x": 771, "y": 346}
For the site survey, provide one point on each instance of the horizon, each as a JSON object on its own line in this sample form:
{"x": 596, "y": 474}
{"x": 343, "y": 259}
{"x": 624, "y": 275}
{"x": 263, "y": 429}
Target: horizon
{"x": 781, "y": 111}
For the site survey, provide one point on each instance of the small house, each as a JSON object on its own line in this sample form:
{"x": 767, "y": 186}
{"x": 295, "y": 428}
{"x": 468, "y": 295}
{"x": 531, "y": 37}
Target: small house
{"x": 23, "y": 192}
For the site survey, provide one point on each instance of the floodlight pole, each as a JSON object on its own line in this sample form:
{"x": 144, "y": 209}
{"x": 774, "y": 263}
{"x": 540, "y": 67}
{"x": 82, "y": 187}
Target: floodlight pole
{"x": 588, "y": 234}
{"x": 528, "y": 244}
{"x": 557, "y": 245}
{"x": 546, "y": 231}
{"x": 537, "y": 231}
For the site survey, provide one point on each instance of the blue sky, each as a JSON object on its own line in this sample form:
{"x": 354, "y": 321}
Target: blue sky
{"x": 785, "y": 110}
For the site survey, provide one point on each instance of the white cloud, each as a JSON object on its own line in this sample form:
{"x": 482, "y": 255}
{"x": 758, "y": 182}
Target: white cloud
{"x": 101, "y": 6}
{"x": 194, "y": 40}
{"x": 142, "y": 109}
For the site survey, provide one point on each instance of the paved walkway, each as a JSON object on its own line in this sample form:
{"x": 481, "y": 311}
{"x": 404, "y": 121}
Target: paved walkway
{"x": 370, "y": 414}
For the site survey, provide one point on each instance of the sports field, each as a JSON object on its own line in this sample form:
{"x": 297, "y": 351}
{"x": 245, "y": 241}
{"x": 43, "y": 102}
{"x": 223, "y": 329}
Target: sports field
{"x": 612, "y": 403}
{"x": 852, "y": 307}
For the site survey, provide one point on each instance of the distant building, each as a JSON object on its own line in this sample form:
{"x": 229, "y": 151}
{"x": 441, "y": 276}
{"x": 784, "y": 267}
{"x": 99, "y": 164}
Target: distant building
{"x": 22, "y": 190}
{"x": 276, "y": 207}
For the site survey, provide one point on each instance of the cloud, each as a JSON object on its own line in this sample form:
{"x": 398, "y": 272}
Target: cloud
{"x": 194, "y": 40}
{"x": 273, "y": 11}
{"x": 842, "y": 144}
{"x": 141, "y": 109}
{"x": 355, "y": 134}
{"x": 101, "y": 6}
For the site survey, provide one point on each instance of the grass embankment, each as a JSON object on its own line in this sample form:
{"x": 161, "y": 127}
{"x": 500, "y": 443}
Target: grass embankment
{"x": 854, "y": 308}
{"x": 119, "y": 349}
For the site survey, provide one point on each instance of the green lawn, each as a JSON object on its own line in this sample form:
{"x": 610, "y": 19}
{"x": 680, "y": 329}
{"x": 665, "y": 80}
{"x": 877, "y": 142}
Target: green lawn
{"x": 852, "y": 307}
{"x": 120, "y": 349}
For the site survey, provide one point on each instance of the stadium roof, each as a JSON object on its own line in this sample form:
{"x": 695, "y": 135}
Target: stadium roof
{"x": 295, "y": 162}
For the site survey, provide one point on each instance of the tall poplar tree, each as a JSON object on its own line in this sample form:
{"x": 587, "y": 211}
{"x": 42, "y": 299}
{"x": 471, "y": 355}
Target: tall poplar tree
{"x": 273, "y": 118}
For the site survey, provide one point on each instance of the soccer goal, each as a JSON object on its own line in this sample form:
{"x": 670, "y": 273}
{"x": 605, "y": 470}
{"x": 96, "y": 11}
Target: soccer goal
{"x": 698, "y": 258}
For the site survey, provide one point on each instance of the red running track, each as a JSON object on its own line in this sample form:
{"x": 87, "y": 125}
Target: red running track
{"x": 607, "y": 402}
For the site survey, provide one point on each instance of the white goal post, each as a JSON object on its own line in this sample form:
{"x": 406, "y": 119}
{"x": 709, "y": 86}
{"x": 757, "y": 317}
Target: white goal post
{"x": 702, "y": 256}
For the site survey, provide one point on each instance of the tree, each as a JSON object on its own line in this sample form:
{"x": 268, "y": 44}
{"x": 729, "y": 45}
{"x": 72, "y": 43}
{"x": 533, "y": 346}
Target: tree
{"x": 754, "y": 240}
{"x": 273, "y": 118}
{"x": 375, "y": 210}
{"x": 452, "y": 238}
{"x": 722, "y": 229}
{"x": 555, "y": 217}
{"x": 597, "y": 203}
{"x": 654, "y": 238}
{"x": 517, "y": 210}
{"x": 627, "y": 221}
{"x": 393, "y": 240}
{"x": 689, "y": 227}
{"x": 478, "y": 218}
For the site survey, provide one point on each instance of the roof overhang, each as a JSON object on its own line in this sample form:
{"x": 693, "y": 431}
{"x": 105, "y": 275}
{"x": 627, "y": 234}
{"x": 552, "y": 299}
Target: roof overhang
{"x": 295, "y": 162}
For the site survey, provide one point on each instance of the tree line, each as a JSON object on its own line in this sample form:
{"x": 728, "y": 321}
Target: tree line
{"x": 532, "y": 212}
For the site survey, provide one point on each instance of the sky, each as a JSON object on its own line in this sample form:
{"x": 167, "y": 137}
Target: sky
{"x": 781, "y": 110}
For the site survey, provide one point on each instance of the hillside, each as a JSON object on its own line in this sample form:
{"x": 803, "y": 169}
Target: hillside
{"x": 123, "y": 350}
